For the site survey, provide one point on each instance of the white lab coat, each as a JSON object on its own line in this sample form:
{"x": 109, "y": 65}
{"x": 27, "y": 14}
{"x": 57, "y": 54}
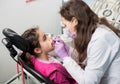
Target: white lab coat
{"x": 103, "y": 59}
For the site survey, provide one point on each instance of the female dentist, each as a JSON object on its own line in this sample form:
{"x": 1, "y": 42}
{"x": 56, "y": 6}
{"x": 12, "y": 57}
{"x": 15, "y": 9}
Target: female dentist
{"x": 96, "y": 42}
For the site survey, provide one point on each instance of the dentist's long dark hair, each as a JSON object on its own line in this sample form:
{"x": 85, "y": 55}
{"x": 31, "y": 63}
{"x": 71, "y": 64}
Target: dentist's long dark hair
{"x": 87, "y": 24}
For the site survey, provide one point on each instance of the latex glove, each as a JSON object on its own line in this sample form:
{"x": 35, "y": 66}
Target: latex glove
{"x": 61, "y": 49}
{"x": 69, "y": 34}
{"x": 57, "y": 38}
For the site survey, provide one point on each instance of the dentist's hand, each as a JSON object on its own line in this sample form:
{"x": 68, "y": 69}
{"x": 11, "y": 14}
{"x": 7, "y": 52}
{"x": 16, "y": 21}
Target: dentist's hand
{"x": 61, "y": 49}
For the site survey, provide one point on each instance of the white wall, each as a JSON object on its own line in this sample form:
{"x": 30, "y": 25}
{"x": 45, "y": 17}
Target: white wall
{"x": 19, "y": 15}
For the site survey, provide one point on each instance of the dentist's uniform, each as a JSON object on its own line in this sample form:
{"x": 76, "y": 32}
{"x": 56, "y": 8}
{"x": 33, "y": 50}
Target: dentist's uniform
{"x": 103, "y": 59}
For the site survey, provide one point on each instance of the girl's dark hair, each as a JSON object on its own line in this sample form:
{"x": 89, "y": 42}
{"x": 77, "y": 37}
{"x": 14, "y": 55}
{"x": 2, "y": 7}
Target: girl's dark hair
{"x": 87, "y": 24}
{"x": 31, "y": 37}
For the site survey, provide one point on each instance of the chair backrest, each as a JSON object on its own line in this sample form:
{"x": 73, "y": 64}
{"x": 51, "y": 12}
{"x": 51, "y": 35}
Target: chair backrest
{"x": 13, "y": 39}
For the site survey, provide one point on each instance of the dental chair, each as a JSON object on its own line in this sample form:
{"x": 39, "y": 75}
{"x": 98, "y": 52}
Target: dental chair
{"x": 14, "y": 42}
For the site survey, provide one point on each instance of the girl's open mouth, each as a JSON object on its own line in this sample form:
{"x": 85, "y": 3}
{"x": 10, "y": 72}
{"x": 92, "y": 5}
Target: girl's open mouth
{"x": 52, "y": 43}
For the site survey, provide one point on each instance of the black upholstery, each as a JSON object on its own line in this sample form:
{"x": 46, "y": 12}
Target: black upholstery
{"x": 13, "y": 39}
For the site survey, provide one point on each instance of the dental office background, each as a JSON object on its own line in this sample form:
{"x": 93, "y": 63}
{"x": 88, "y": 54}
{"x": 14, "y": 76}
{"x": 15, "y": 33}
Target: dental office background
{"x": 20, "y": 15}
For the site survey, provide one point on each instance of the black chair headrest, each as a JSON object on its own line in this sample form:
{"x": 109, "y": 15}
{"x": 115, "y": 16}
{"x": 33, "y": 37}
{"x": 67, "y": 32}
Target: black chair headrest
{"x": 12, "y": 38}
{"x": 16, "y": 39}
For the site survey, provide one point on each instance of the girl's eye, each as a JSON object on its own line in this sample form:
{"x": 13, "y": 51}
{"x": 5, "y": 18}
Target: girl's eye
{"x": 46, "y": 34}
{"x": 44, "y": 37}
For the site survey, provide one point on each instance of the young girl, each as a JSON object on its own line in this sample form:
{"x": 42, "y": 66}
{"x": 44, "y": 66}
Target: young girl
{"x": 40, "y": 45}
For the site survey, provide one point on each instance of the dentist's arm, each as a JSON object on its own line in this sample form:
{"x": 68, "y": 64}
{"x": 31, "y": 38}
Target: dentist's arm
{"x": 97, "y": 63}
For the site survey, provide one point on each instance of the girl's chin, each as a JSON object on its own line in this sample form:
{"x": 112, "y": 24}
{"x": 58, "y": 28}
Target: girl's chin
{"x": 52, "y": 48}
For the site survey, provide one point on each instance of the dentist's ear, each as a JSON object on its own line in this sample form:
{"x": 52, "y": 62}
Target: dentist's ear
{"x": 37, "y": 50}
{"x": 74, "y": 21}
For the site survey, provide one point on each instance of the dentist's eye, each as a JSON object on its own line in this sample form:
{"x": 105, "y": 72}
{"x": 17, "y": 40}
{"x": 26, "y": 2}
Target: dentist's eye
{"x": 63, "y": 25}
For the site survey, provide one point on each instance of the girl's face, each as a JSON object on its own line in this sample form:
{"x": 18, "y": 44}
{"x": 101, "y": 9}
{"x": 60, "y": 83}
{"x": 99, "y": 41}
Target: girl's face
{"x": 45, "y": 41}
{"x": 69, "y": 24}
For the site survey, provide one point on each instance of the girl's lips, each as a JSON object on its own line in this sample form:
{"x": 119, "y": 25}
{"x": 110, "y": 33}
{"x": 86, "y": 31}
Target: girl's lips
{"x": 52, "y": 43}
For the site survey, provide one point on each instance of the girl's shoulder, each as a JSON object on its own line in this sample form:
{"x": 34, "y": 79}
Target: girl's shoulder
{"x": 53, "y": 59}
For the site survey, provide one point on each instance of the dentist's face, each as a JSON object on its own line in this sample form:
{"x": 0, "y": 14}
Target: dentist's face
{"x": 68, "y": 24}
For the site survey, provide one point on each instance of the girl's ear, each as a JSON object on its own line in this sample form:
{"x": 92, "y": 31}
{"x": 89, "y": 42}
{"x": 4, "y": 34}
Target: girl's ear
{"x": 37, "y": 50}
{"x": 74, "y": 21}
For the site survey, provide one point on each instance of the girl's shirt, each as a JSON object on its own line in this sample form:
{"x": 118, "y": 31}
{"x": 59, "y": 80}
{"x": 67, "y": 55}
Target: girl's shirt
{"x": 103, "y": 59}
{"x": 53, "y": 70}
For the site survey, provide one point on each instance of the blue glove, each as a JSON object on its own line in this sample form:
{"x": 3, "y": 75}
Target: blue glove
{"x": 61, "y": 49}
